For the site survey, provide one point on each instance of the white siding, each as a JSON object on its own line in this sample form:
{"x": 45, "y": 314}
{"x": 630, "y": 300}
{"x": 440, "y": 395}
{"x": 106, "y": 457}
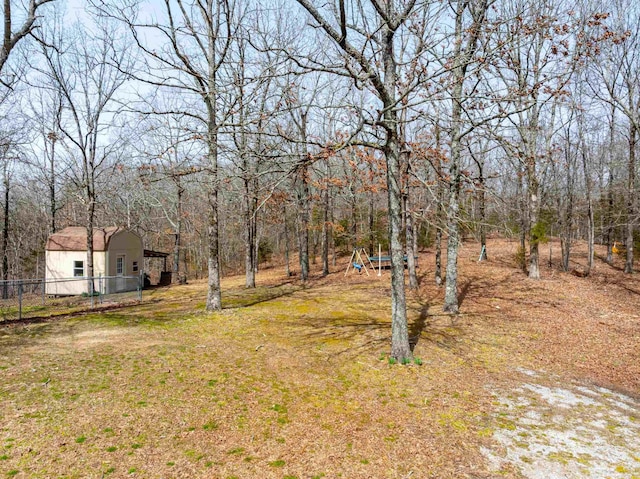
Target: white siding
{"x": 59, "y": 265}
{"x": 127, "y": 244}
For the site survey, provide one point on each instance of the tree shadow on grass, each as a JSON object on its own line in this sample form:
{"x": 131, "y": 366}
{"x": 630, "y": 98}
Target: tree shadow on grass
{"x": 418, "y": 326}
{"x": 352, "y": 337}
{"x": 464, "y": 291}
{"x": 623, "y": 284}
{"x": 61, "y": 316}
{"x": 341, "y": 336}
{"x": 251, "y": 297}
{"x": 437, "y": 329}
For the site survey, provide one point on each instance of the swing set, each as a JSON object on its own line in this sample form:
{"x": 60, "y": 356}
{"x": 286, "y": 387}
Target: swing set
{"x": 359, "y": 260}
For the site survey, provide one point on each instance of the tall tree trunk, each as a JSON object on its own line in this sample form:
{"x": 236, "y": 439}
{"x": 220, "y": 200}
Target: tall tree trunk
{"x": 610, "y": 216}
{"x": 590, "y": 234}
{"x": 462, "y": 57}
{"x": 414, "y": 245}
{"x": 214, "y": 295}
{"x": 302, "y": 192}
{"x": 400, "y": 347}
{"x": 453, "y": 240}
{"x": 372, "y": 219}
{"x": 480, "y": 197}
{"x": 590, "y": 217}
{"x": 534, "y": 229}
{"x": 177, "y": 245}
{"x": 325, "y": 225}
{"x": 523, "y": 219}
{"x": 286, "y": 241}
{"x": 256, "y": 248}
{"x": 482, "y": 213}
{"x": 410, "y": 242}
{"x": 254, "y": 226}
{"x": 91, "y": 207}
{"x": 631, "y": 187}
{"x": 408, "y": 221}
{"x": 249, "y": 235}
{"x": 568, "y": 216}
{"x": 314, "y": 246}
{"x": 354, "y": 217}
{"x": 533, "y": 189}
{"x": 5, "y": 233}
{"x": 439, "y": 218}
{"x": 53, "y": 209}
{"x": 303, "y": 196}
{"x": 438, "y": 248}
{"x": 334, "y": 253}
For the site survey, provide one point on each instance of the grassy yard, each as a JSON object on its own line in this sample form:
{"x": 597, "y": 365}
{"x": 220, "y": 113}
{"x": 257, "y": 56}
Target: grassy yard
{"x": 293, "y": 382}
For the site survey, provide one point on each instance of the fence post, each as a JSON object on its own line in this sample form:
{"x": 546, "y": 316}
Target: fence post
{"x": 140, "y": 287}
{"x": 91, "y": 287}
{"x": 20, "y": 300}
{"x": 100, "y": 287}
{"x": 44, "y": 292}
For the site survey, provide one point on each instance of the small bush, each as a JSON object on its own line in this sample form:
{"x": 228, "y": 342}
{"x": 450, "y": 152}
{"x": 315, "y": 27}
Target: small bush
{"x": 520, "y": 257}
{"x": 265, "y": 250}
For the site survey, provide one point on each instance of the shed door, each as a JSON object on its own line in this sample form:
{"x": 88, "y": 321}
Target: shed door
{"x": 121, "y": 272}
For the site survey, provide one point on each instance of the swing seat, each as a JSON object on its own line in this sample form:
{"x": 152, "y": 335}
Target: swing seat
{"x": 357, "y": 266}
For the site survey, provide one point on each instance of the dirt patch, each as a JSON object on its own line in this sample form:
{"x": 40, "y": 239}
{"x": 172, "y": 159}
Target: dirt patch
{"x": 565, "y": 431}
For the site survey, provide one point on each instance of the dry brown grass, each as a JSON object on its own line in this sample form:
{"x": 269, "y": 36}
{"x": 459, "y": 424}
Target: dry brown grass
{"x": 290, "y": 381}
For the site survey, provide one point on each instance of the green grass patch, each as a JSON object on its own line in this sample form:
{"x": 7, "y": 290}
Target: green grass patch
{"x": 210, "y": 426}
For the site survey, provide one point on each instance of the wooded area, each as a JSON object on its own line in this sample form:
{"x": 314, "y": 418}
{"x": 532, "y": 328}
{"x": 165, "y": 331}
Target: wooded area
{"x": 230, "y": 131}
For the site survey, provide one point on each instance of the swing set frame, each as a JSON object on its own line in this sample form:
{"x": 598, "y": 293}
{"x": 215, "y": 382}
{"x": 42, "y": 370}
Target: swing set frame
{"x": 359, "y": 260}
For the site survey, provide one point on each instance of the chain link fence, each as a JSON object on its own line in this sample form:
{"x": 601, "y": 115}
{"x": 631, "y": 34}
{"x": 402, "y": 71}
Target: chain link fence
{"x": 29, "y": 298}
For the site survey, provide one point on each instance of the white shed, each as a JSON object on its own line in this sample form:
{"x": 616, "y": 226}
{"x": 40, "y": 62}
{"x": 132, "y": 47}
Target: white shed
{"x": 117, "y": 258}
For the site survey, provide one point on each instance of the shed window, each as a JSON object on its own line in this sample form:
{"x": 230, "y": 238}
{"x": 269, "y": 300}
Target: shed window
{"x": 135, "y": 267}
{"x": 78, "y": 268}
{"x": 120, "y": 265}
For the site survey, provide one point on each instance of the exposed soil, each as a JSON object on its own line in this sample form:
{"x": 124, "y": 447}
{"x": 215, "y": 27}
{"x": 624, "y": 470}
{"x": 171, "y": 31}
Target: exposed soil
{"x": 566, "y": 432}
{"x": 533, "y": 379}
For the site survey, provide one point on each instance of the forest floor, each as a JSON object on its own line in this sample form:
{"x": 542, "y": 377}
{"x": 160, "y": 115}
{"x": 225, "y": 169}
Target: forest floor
{"x": 534, "y": 379}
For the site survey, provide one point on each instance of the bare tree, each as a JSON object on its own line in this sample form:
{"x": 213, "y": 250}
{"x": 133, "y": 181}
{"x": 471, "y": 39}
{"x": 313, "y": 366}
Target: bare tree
{"x": 618, "y": 68}
{"x": 7, "y": 174}
{"x": 80, "y": 69}
{"x": 168, "y": 153}
{"x": 535, "y": 61}
{"x": 465, "y": 45}
{"x": 187, "y": 51}
{"x": 28, "y": 23}
{"x": 45, "y": 112}
{"x": 367, "y": 36}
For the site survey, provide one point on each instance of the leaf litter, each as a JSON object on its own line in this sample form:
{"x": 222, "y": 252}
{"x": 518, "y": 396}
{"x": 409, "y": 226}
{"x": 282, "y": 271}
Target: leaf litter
{"x": 533, "y": 379}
